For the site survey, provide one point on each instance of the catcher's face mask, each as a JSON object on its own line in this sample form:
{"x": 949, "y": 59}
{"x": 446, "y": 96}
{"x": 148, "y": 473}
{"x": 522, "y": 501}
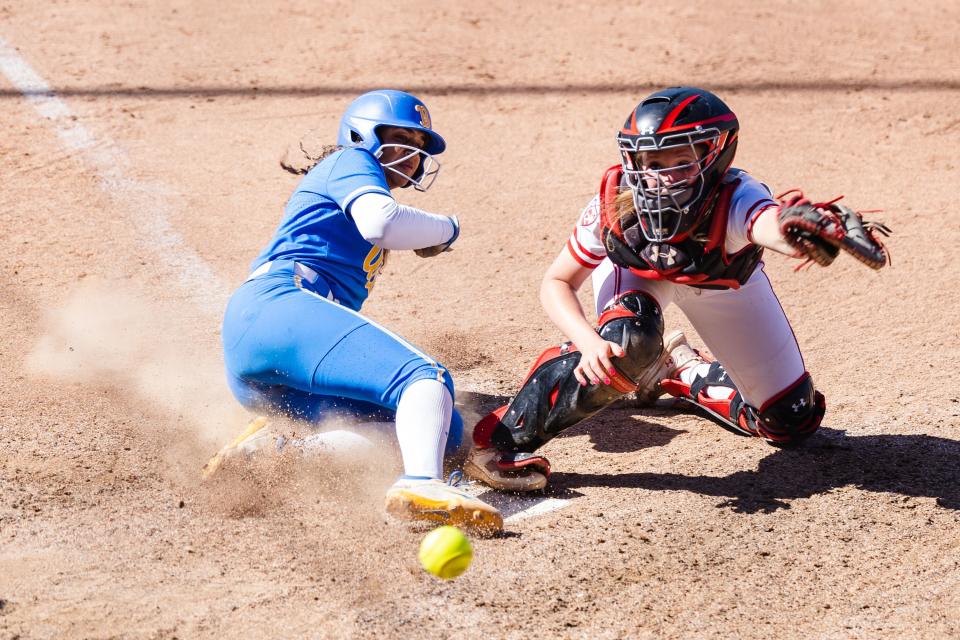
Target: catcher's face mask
{"x": 667, "y": 180}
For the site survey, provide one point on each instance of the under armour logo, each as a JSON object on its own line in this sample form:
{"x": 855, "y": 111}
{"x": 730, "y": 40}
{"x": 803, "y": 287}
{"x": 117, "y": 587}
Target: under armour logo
{"x": 800, "y": 405}
{"x": 656, "y": 253}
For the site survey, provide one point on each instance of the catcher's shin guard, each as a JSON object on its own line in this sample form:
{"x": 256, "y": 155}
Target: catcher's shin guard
{"x": 552, "y": 400}
{"x": 788, "y": 418}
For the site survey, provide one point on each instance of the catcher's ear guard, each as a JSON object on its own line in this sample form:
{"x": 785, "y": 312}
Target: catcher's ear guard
{"x": 551, "y": 399}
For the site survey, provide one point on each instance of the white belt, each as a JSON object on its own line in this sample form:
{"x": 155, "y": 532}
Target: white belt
{"x": 301, "y": 270}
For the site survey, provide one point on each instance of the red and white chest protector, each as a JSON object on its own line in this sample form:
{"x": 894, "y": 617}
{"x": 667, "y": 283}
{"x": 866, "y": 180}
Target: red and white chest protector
{"x": 745, "y": 328}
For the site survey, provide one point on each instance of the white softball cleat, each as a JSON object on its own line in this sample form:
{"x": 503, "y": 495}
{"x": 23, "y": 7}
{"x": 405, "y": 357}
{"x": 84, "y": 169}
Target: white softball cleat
{"x": 336, "y": 442}
{"x": 441, "y": 503}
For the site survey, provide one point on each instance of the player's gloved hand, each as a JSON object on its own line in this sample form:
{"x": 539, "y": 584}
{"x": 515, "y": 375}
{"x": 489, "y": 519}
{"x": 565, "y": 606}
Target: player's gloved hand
{"x": 429, "y": 252}
{"x": 819, "y": 231}
{"x": 595, "y": 364}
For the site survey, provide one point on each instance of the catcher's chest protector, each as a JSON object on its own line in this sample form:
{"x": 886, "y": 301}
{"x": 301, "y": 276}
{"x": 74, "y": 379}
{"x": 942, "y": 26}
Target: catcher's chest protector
{"x": 704, "y": 264}
{"x": 552, "y": 400}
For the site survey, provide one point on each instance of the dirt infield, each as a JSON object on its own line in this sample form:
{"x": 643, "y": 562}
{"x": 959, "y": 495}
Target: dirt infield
{"x": 137, "y": 190}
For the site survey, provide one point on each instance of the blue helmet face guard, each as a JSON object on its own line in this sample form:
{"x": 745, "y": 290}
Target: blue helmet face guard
{"x": 426, "y": 172}
{"x": 389, "y": 108}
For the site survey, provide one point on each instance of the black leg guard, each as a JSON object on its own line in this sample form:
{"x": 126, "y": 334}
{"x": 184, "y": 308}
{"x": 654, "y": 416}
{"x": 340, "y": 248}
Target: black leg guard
{"x": 552, "y": 400}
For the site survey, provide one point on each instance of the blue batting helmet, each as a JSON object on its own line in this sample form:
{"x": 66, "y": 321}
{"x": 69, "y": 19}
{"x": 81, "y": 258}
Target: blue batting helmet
{"x": 386, "y": 107}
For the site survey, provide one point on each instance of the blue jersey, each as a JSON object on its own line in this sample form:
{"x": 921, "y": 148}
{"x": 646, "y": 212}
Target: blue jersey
{"x": 317, "y": 230}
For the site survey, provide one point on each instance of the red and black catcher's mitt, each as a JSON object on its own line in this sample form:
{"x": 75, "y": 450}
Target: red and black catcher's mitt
{"x": 820, "y": 231}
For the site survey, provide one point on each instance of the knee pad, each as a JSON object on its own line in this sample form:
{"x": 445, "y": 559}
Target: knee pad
{"x": 552, "y": 400}
{"x": 633, "y": 321}
{"x": 793, "y": 415}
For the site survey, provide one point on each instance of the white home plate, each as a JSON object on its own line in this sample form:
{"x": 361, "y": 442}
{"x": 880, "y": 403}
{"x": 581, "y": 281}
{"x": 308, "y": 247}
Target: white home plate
{"x": 515, "y": 506}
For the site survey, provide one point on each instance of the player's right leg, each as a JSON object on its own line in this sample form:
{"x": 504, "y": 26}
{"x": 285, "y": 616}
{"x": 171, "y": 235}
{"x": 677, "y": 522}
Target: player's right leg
{"x": 260, "y": 437}
{"x": 278, "y": 333}
{"x": 551, "y": 400}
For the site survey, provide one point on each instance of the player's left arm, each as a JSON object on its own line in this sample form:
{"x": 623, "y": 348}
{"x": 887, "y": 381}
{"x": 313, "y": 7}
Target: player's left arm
{"x": 357, "y": 184}
{"x": 818, "y": 232}
{"x": 793, "y": 225}
{"x": 765, "y": 232}
{"x": 386, "y": 223}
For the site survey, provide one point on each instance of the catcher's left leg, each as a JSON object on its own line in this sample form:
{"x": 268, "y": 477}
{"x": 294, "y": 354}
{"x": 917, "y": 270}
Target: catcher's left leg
{"x": 763, "y": 388}
{"x": 788, "y": 418}
{"x": 552, "y": 400}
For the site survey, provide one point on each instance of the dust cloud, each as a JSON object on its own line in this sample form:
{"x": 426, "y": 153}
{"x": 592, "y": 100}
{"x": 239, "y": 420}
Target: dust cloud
{"x": 107, "y": 335}
{"x": 112, "y": 336}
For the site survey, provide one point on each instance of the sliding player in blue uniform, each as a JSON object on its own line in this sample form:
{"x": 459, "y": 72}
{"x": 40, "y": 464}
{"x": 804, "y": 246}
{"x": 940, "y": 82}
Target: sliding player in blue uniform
{"x": 294, "y": 341}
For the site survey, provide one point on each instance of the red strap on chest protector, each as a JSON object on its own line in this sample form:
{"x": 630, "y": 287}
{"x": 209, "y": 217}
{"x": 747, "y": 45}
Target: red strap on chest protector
{"x": 716, "y": 237}
{"x": 609, "y": 189}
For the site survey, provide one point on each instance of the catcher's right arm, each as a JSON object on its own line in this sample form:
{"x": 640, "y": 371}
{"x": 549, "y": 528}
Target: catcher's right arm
{"x": 820, "y": 231}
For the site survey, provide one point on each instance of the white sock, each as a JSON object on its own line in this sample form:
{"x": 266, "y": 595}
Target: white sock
{"x": 690, "y": 374}
{"x": 423, "y": 423}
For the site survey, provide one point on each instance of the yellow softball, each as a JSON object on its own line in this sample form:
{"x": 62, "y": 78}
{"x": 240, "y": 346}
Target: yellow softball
{"x": 445, "y": 552}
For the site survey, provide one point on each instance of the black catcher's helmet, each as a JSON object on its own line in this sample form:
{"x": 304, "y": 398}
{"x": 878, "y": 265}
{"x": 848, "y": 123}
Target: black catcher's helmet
{"x": 668, "y": 209}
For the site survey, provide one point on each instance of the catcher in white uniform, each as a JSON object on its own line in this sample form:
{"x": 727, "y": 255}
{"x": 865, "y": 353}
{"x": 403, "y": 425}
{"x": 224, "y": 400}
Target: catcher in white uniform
{"x": 674, "y": 223}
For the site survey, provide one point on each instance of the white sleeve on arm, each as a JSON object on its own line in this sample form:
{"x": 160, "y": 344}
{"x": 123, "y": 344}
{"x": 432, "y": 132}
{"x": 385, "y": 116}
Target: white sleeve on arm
{"x": 751, "y": 198}
{"x": 585, "y": 244}
{"x": 387, "y": 224}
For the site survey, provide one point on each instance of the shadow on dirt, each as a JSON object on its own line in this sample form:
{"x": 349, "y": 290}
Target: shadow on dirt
{"x": 623, "y": 431}
{"x": 909, "y": 465}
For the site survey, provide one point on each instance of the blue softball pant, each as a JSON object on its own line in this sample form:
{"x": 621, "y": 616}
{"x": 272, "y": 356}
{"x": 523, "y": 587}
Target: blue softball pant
{"x": 291, "y": 350}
